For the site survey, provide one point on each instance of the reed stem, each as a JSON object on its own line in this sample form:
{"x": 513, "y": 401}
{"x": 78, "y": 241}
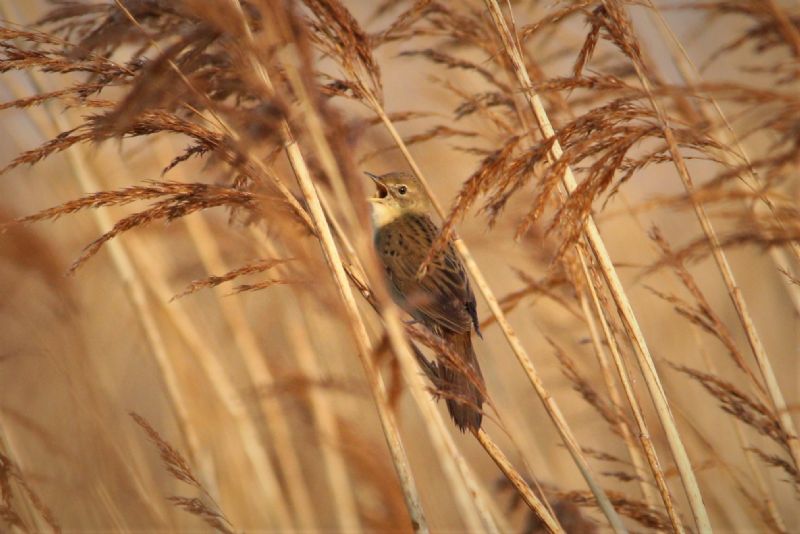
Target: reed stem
{"x": 720, "y": 258}
{"x": 608, "y": 270}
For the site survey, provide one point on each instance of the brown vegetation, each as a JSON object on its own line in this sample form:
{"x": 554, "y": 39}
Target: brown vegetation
{"x": 215, "y": 151}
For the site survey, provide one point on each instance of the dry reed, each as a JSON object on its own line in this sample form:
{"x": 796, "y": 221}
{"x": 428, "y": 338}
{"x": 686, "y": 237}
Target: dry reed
{"x": 279, "y": 336}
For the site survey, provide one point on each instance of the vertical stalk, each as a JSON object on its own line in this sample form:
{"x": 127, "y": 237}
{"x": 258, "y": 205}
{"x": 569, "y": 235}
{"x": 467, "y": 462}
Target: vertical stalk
{"x": 606, "y": 266}
{"x": 129, "y": 276}
{"x": 358, "y": 330}
{"x": 260, "y": 373}
{"x": 688, "y": 72}
{"x": 333, "y": 461}
{"x": 630, "y": 394}
{"x": 516, "y": 345}
{"x": 229, "y": 396}
{"x": 299, "y": 329}
{"x": 388, "y": 422}
{"x": 721, "y": 259}
{"x": 616, "y": 400}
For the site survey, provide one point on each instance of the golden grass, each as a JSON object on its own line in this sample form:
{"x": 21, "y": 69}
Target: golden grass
{"x": 255, "y": 343}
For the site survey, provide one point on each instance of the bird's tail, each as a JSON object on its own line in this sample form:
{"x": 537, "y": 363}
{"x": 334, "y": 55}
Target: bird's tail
{"x": 462, "y": 390}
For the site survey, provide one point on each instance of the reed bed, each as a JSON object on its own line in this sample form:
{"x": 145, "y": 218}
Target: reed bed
{"x": 197, "y": 333}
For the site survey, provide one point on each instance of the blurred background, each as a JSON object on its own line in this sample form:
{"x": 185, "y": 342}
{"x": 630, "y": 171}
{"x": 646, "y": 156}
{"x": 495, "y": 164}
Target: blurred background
{"x": 79, "y": 353}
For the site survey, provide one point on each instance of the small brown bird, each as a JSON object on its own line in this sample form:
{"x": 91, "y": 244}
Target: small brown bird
{"x": 442, "y": 299}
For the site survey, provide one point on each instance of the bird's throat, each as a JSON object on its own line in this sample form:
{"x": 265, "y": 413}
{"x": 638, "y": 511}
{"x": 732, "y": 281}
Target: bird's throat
{"x": 383, "y": 214}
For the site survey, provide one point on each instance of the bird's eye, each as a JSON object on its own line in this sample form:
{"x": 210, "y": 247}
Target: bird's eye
{"x": 402, "y": 190}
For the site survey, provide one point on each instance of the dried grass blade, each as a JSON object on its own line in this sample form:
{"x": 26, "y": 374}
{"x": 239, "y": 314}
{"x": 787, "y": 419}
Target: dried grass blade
{"x": 612, "y": 279}
{"x": 132, "y": 281}
{"x": 516, "y": 345}
{"x": 753, "y": 337}
{"x": 204, "y": 506}
{"x": 256, "y": 363}
{"x": 689, "y": 72}
{"x": 518, "y": 482}
{"x": 355, "y": 322}
{"x": 230, "y": 396}
{"x": 643, "y": 431}
{"x": 258, "y": 266}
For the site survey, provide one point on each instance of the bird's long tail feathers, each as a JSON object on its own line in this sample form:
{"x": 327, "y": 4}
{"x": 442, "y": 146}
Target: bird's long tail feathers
{"x": 463, "y": 392}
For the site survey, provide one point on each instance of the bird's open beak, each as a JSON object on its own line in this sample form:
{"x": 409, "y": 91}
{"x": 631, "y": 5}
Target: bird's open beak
{"x": 381, "y": 191}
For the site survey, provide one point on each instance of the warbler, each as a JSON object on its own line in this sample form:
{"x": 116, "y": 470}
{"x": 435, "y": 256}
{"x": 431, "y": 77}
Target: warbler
{"x": 441, "y": 299}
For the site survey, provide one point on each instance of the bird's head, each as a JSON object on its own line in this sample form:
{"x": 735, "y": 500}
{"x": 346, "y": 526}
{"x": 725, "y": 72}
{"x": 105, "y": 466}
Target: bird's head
{"x": 397, "y": 193}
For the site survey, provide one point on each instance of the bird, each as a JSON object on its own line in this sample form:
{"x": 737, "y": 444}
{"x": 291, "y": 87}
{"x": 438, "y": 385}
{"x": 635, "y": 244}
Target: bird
{"x": 441, "y": 298}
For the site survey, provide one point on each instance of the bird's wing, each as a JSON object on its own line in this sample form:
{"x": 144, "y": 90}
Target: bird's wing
{"x": 442, "y": 298}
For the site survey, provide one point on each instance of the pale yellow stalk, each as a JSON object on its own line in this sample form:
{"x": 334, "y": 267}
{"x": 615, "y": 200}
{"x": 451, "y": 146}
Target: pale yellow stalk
{"x": 606, "y": 266}
{"x": 334, "y": 462}
{"x": 230, "y": 397}
{"x": 354, "y": 321}
{"x": 132, "y": 283}
{"x": 630, "y": 394}
{"x": 754, "y": 339}
{"x": 516, "y": 345}
{"x": 260, "y": 373}
{"x": 623, "y": 428}
{"x": 520, "y": 485}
